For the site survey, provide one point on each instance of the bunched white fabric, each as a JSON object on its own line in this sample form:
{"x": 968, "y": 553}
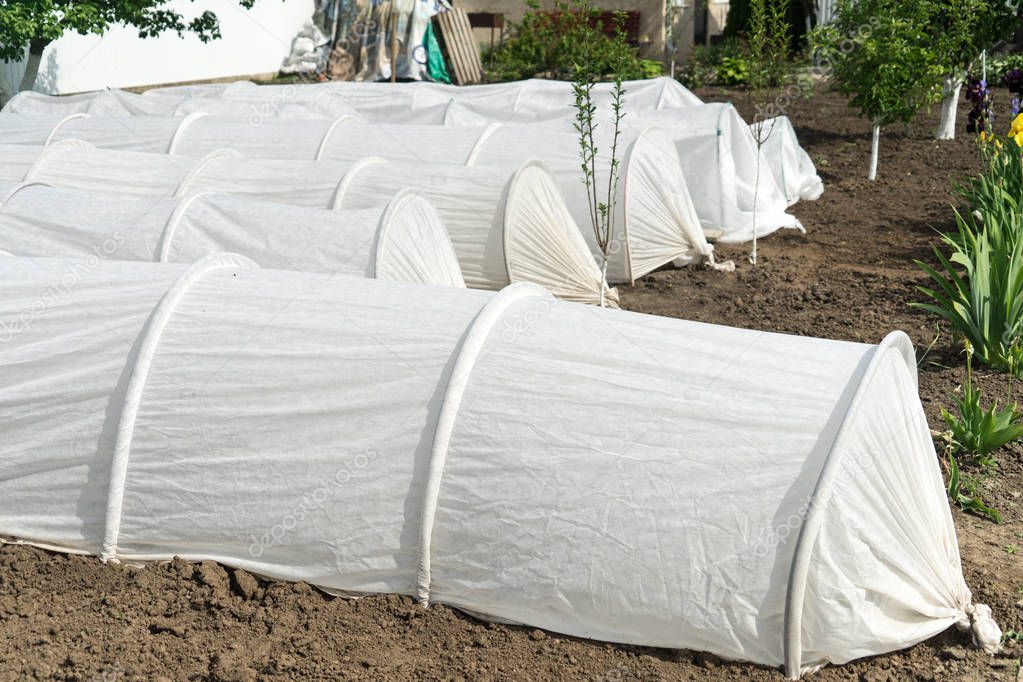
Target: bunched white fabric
{"x": 594, "y": 472}
{"x": 506, "y": 225}
{"x": 792, "y": 167}
{"x": 404, "y": 240}
{"x": 731, "y": 182}
{"x": 655, "y": 219}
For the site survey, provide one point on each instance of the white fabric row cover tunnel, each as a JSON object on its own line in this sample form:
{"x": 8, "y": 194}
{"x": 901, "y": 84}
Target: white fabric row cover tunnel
{"x": 521, "y": 101}
{"x": 528, "y": 101}
{"x": 429, "y": 103}
{"x": 115, "y": 102}
{"x": 716, "y": 149}
{"x": 729, "y": 179}
{"x": 532, "y": 236}
{"x": 656, "y": 219}
{"x": 790, "y": 164}
{"x": 785, "y": 169}
{"x": 403, "y": 240}
{"x": 594, "y": 472}
{"x": 506, "y": 225}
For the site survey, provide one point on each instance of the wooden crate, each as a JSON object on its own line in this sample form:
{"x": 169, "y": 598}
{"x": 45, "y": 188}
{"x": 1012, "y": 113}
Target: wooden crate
{"x": 462, "y": 51}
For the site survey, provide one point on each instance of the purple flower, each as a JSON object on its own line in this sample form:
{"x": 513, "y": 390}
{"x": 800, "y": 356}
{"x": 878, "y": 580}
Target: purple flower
{"x": 976, "y": 90}
{"x": 975, "y": 122}
{"x": 1013, "y": 79}
{"x": 980, "y": 116}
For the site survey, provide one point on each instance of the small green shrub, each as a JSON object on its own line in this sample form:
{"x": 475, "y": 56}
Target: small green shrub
{"x": 695, "y": 72}
{"x": 733, "y": 71}
{"x": 651, "y": 68}
{"x": 550, "y": 44}
{"x": 767, "y": 45}
{"x": 977, "y": 432}
{"x": 701, "y": 68}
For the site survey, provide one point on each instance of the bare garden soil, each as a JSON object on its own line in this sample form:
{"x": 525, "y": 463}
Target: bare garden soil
{"x": 851, "y": 276}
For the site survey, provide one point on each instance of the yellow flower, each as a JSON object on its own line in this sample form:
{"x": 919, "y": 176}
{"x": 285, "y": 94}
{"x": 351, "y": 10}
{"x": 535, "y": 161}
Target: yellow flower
{"x": 990, "y": 138}
{"x": 1016, "y": 131}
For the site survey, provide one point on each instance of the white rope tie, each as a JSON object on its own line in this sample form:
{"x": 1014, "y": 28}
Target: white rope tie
{"x": 726, "y": 266}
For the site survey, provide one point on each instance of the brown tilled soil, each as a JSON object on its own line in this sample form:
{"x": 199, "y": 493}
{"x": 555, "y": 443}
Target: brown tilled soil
{"x": 850, "y": 276}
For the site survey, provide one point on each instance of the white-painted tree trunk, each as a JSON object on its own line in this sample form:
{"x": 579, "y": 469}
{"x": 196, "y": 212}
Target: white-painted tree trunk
{"x": 756, "y": 196}
{"x": 761, "y": 137}
{"x": 874, "y": 144}
{"x": 603, "y": 282}
{"x": 951, "y": 87}
{"x": 31, "y": 70}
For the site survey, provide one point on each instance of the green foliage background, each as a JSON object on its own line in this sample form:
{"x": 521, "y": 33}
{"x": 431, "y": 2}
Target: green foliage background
{"x": 553, "y": 44}
{"x": 39, "y": 22}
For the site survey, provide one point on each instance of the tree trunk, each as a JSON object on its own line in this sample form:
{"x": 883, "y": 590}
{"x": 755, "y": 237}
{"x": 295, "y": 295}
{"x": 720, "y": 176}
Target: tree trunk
{"x": 35, "y": 59}
{"x": 603, "y": 281}
{"x": 756, "y": 197}
{"x": 874, "y": 143}
{"x": 949, "y": 107}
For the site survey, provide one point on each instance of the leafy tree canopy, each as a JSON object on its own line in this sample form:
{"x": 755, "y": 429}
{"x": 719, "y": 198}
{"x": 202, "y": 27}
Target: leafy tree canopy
{"x": 961, "y": 29}
{"x": 882, "y": 53}
{"x": 38, "y": 22}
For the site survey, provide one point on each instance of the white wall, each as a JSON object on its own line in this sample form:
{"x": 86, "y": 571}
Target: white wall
{"x": 254, "y": 41}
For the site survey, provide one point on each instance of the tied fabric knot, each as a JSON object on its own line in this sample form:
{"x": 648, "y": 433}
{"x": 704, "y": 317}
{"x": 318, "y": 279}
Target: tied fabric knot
{"x": 611, "y": 296}
{"x": 726, "y": 266}
{"x": 986, "y": 634}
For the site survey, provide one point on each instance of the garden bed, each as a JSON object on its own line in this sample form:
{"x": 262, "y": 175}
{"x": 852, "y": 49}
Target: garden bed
{"x": 851, "y": 276}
